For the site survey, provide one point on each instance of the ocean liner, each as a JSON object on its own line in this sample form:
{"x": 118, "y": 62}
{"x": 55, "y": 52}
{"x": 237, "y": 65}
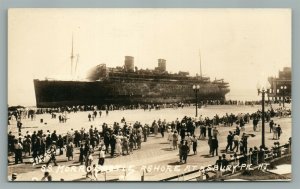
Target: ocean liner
{"x": 128, "y": 85}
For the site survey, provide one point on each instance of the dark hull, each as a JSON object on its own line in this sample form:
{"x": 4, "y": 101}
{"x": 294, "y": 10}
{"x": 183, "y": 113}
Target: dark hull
{"x": 68, "y": 93}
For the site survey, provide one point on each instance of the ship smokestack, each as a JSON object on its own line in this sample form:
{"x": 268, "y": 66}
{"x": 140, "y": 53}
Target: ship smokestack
{"x": 129, "y": 64}
{"x": 162, "y": 65}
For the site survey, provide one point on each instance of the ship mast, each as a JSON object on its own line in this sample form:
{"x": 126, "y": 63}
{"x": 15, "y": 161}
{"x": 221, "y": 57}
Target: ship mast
{"x": 72, "y": 58}
{"x": 77, "y": 57}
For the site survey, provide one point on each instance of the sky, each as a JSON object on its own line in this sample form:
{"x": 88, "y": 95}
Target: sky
{"x": 242, "y": 46}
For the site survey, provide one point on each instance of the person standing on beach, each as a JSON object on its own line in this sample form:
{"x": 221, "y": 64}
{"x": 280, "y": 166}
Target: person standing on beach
{"x": 170, "y": 137}
{"x": 279, "y": 131}
{"x": 255, "y": 122}
{"x": 18, "y": 151}
{"x": 229, "y": 141}
{"x": 81, "y": 154}
{"x": 245, "y": 143}
{"x": 69, "y": 152}
{"x": 52, "y": 152}
{"x": 209, "y": 128}
{"x": 112, "y": 145}
{"x": 215, "y": 133}
{"x": 275, "y": 134}
{"x": 60, "y": 144}
{"x": 145, "y": 129}
{"x": 125, "y": 147}
{"x": 175, "y": 140}
{"x": 139, "y": 140}
{"x": 102, "y": 157}
{"x": 236, "y": 139}
{"x": 185, "y": 151}
{"x": 155, "y": 127}
{"x": 209, "y": 142}
{"x": 106, "y": 141}
{"x": 215, "y": 145}
{"x": 195, "y": 144}
{"x": 271, "y": 124}
{"x": 54, "y": 136}
{"x": 180, "y": 151}
{"x": 162, "y": 130}
{"x": 19, "y": 125}
{"x": 88, "y": 163}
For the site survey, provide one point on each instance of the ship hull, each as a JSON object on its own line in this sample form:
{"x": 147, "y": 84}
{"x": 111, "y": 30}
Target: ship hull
{"x": 123, "y": 92}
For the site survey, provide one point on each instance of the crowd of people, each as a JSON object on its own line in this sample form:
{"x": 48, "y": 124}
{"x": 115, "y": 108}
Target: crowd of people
{"x": 123, "y": 138}
{"x": 31, "y": 112}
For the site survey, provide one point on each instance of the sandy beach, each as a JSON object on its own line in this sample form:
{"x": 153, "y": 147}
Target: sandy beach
{"x": 154, "y": 152}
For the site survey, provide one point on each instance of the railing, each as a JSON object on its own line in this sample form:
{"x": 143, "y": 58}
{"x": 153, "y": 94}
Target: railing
{"x": 254, "y": 158}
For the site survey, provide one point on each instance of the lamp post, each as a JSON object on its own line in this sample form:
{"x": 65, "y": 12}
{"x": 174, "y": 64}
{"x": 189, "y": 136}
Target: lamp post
{"x": 283, "y": 88}
{"x": 196, "y": 88}
{"x": 263, "y": 92}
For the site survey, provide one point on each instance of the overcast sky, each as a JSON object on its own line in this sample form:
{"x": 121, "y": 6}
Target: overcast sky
{"x": 243, "y": 46}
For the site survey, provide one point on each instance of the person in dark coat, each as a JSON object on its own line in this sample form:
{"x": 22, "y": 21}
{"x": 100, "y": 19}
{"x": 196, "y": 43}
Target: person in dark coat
{"x": 209, "y": 142}
{"x": 271, "y": 124}
{"x": 48, "y": 142}
{"x": 60, "y": 144}
{"x": 215, "y": 145}
{"x": 229, "y": 141}
{"x": 19, "y": 125}
{"x": 42, "y": 150}
{"x": 182, "y": 132}
{"x": 112, "y": 145}
{"x": 162, "y": 130}
{"x": 279, "y": 131}
{"x": 106, "y": 141}
{"x": 54, "y": 136}
{"x": 209, "y": 128}
{"x": 184, "y": 151}
{"x": 77, "y": 138}
{"x": 69, "y": 152}
{"x": 219, "y": 163}
{"x": 245, "y": 143}
{"x": 81, "y": 154}
{"x": 35, "y": 150}
{"x": 225, "y": 162}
